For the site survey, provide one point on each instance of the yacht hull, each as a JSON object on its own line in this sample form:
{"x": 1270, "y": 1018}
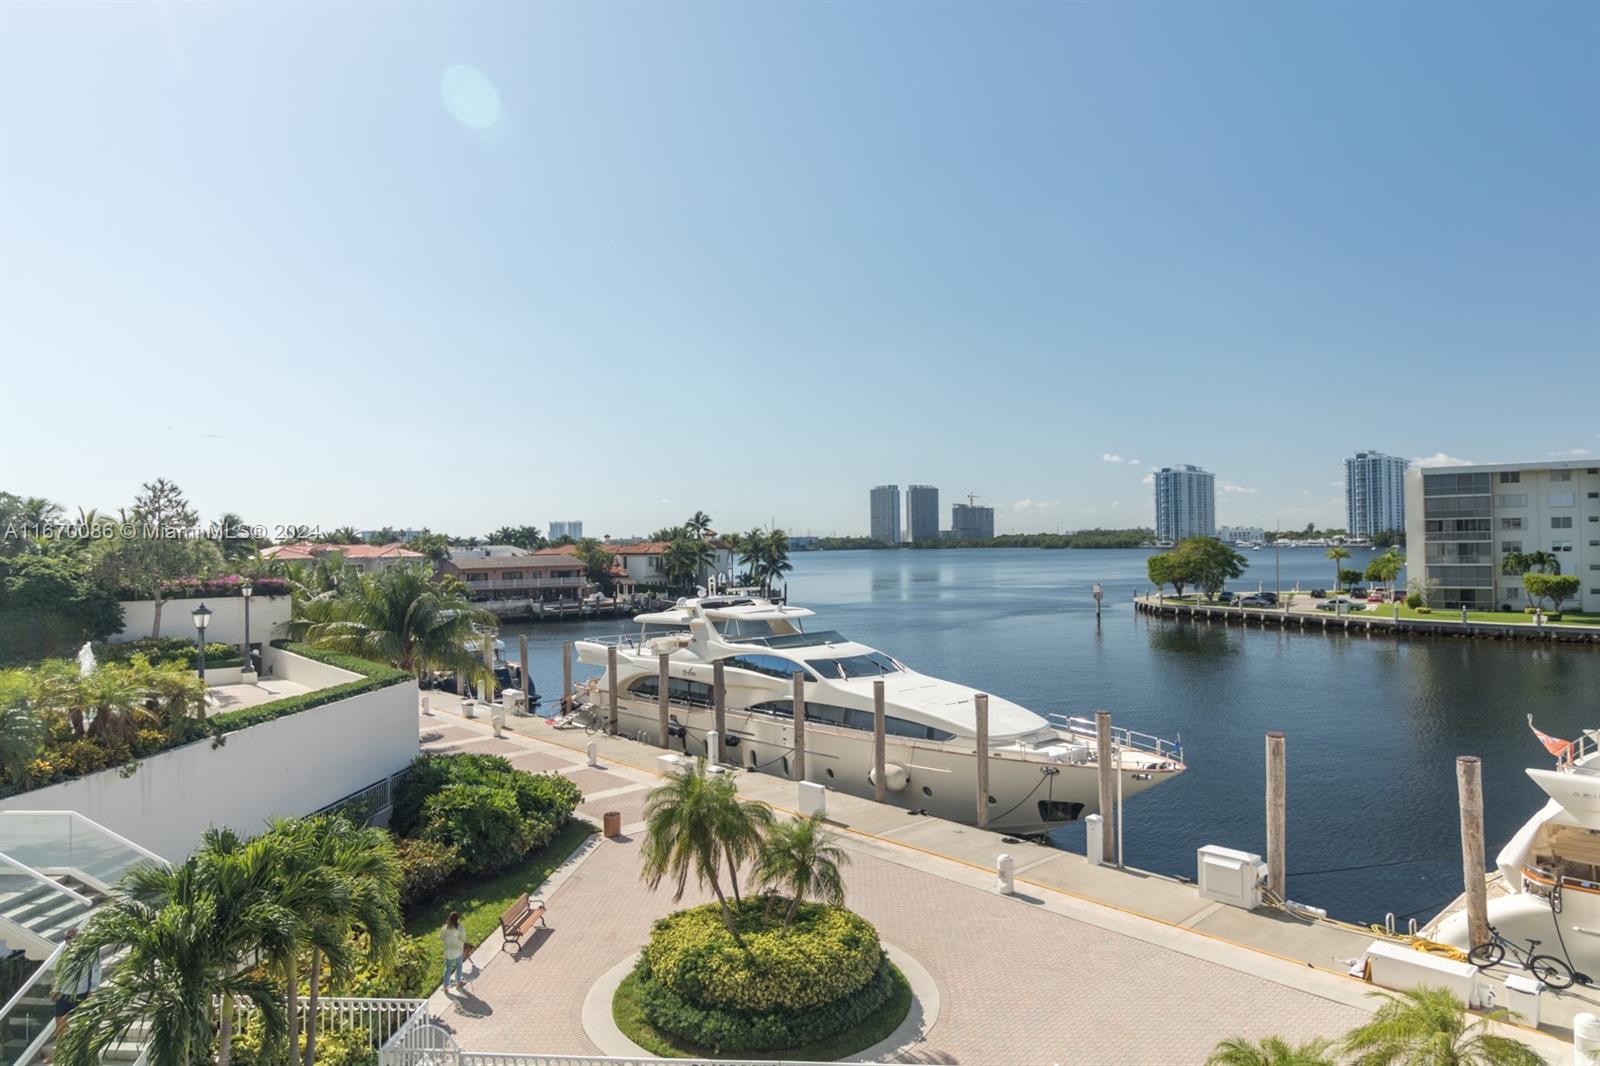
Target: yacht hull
{"x": 1030, "y": 795}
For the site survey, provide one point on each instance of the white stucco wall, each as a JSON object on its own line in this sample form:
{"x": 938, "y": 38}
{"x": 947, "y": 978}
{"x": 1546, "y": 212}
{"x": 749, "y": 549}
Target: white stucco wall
{"x": 289, "y": 766}
{"x": 267, "y": 615}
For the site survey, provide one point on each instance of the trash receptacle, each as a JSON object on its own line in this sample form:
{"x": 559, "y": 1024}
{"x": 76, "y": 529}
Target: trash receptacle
{"x": 611, "y": 823}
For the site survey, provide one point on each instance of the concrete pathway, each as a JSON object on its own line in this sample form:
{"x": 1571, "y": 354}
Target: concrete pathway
{"x": 1050, "y": 975}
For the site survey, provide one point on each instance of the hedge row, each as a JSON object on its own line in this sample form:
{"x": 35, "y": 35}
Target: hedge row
{"x": 722, "y": 1029}
{"x": 163, "y": 650}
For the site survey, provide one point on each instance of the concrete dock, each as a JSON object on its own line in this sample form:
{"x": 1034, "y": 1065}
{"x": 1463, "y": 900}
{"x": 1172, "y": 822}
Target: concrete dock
{"x": 1380, "y": 622}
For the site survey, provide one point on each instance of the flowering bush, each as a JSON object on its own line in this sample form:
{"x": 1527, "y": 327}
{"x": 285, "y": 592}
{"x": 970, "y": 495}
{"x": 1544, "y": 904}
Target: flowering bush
{"x": 827, "y": 953}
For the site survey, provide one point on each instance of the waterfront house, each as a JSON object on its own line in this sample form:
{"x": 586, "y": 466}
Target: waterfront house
{"x": 488, "y": 551}
{"x": 366, "y": 558}
{"x": 544, "y": 576}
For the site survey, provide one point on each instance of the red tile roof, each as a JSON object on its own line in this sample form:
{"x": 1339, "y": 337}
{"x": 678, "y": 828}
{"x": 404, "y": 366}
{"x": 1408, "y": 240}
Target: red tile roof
{"x": 304, "y": 551}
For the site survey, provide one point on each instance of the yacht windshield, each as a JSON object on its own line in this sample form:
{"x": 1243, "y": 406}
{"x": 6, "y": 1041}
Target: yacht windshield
{"x": 873, "y": 664}
{"x": 792, "y": 640}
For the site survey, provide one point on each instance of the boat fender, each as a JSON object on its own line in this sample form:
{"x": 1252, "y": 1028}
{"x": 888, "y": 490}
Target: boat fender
{"x": 895, "y": 777}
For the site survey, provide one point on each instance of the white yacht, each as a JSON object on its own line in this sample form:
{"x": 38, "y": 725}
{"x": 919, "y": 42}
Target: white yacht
{"x": 1548, "y": 883}
{"x": 1042, "y": 770}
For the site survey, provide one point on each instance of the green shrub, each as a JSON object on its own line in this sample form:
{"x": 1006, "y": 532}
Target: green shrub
{"x": 163, "y": 650}
{"x": 491, "y": 812}
{"x": 482, "y": 822}
{"x": 827, "y": 953}
{"x": 1414, "y": 600}
{"x": 410, "y": 972}
{"x": 425, "y": 865}
{"x": 335, "y": 1046}
{"x": 725, "y": 1029}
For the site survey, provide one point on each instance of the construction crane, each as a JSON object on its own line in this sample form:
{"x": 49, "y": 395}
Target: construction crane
{"x": 972, "y": 499}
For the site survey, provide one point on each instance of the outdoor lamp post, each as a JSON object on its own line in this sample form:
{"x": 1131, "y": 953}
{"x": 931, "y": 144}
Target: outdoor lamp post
{"x": 201, "y": 616}
{"x": 249, "y": 660}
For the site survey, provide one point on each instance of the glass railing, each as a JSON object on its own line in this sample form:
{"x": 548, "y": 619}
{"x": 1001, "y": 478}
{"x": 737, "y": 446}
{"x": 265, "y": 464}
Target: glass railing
{"x": 66, "y": 841}
{"x": 29, "y": 1015}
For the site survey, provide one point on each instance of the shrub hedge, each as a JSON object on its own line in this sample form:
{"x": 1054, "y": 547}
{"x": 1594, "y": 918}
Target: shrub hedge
{"x": 424, "y": 867}
{"x": 726, "y": 1029}
{"x": 490, "y": 812}
{"x": 163, "y": 650}
{"x": 827, "y": 953}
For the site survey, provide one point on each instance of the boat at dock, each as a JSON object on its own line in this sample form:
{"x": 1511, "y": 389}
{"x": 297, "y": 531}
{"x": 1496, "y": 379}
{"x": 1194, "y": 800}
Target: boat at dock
{"x": 1546, "y": 886}
{"x": 1043, "y": 769}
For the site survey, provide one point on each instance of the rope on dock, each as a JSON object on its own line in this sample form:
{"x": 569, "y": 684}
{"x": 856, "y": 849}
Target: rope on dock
{"x": 1375, "y": 929}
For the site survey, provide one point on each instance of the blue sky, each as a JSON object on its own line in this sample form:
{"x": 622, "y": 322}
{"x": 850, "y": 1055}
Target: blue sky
{"x": 465, "y": 265}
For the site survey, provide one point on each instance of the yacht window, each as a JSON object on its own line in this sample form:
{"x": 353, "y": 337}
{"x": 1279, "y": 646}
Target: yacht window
{"x": 679, "y": 690}
{"x": 744, "y": 627}
{"x": 850, "y": 718}
{"x": 661, "y": 629}
{"x": 771, "y": 665}
{"x": 873, "y": 664}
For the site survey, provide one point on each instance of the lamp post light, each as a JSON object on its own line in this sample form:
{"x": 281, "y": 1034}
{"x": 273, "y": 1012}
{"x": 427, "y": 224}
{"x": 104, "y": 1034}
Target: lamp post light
{"x": 249, "y": 674}
{"x": 202, "y": 617}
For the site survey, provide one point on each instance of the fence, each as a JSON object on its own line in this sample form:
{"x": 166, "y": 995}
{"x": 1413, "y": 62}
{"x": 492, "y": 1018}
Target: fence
{"x": 422, "y": 1043}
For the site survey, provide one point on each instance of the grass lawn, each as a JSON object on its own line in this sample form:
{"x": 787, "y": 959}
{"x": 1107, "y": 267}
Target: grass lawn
{"x": 481, "y": 901}
{"x": 1453, "y": 614}
{"x": 629, "y": 1016}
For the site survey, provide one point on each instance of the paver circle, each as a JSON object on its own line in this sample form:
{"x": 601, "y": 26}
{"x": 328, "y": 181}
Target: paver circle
{"x": 601, "y": 1028}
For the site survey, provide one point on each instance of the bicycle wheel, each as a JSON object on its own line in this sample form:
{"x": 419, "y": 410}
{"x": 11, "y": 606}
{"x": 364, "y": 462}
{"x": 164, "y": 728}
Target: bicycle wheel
{"x": 1486, "y": 955}
{"x": 1551, "y": 970}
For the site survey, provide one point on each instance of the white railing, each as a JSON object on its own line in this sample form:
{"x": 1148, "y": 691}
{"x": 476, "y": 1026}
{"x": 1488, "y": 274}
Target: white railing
{"x": 426, "y": 1044}
{"x": 1125, "y": 738}
{"x": 1587, "y": 743}
{"x": 383, "y": 1019}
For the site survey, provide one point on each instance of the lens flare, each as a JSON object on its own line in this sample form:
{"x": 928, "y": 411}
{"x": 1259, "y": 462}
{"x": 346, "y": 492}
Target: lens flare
{"x": 470, "y": 96}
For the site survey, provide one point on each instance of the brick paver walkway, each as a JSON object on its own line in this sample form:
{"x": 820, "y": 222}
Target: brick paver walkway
{"x": 1018, "y": 984}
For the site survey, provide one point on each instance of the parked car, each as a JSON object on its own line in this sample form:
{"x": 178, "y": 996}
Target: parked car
{"x": 1269, "y": 598}
{"x": 1252, "y": 600}
{"x": 1359, "y": 592}
{"x": 1375, "y": 596}
{"x": 1317, "y": 594}
{"x": 1336, "y": 602}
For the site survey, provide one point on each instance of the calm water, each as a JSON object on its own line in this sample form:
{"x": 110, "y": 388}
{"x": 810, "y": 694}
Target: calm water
{"x": 1373, "y": 724}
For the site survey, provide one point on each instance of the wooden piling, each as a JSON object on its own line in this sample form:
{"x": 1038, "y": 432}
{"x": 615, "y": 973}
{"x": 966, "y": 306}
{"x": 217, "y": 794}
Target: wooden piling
{"x": 566, "y": 678}
{"x": 880, "y": 787}
{"x": 719, "y": 707}
{"x": 527, "y": 678}
{"x": 1108, "y": 785}
{"x": 1469, "y": 789}
{"x": 663, "y": 684}
{"x": 799, "y": 725}
{"x": 611, "y": 686}
{"x": 980, "y": 705}
{"x": 1277, "y": 798}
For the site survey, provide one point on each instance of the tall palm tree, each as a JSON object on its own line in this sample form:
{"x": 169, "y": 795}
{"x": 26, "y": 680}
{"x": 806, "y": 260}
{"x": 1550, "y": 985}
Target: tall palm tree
{"x": 1271, "y": 1051}
{"x": 1338, "y": 555}
{"x": 1428, "y": 1027}
{"x": 1515, "y": 564}
{"x": 774, "y": 558}
{"x": 699, "y": 524}
{"x": 685, "y": 560}
{"x": 189, "y": 933}
{"x": 402, "y": 616}
{"x": 750, "y": 550}
{"x": 802, "y": 857}
{"x": 1388, "y": 566}
{"x": 684, "y": 817}
{"x": 367, "y": 898}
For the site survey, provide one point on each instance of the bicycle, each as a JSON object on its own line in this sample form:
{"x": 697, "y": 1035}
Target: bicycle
{"x": 1546, "y": 968}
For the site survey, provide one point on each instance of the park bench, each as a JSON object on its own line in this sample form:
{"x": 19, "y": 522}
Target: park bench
{"x": 520, "y": 918}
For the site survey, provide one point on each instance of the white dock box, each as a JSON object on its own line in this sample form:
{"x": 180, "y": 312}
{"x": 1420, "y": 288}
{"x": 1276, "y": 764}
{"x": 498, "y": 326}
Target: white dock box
{"x": 1400, "y": 966}
{"x": 1229, "y": 876}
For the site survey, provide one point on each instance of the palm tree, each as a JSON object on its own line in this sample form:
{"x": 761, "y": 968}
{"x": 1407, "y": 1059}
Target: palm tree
{"x": 1387, "y": 566}
{"x": 1428, "y": 1027}
{"x": 402, "y": 616}
{"x": 1338, "y": 555}
{"x": 1515, "y": 564}
{"x": 741, "y": 826}
{"x": 802, "y": 857}
{"x": 354, "y": 883}
{"x": 774, "y": 558}
{"x": 684, "y": 817}
{"x": 1271, "y": 1051}
{"x": 685, "y": 559}
{"x": 189, "y": 933}
{"x": 750, "y": 549}
{"x": 699, "y": 524}
{"x": 1544, "y": 562}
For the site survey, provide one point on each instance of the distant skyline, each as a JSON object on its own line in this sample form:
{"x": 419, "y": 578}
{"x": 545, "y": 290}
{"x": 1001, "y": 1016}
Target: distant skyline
{"x": 466, "y": 266}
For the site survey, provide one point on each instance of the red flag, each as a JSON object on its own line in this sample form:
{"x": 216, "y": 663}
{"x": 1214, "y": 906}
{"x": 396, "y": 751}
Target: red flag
{"x": 1554, "y": 745}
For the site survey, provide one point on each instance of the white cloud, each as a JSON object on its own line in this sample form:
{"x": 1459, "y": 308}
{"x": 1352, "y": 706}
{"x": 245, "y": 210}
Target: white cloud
{"x": 1572, "y": 453}
{"x": 1133, "y": 462}
{"x": 1148, "y": 479}
{"x": 1229, "y": 487}
{"x": 1111, "y": 457}
{"x": 1440, "y": 459}
{"x": 1035, "y": 505}
{"x": 666, "y": 501}
{"x": 1337, "y": 484}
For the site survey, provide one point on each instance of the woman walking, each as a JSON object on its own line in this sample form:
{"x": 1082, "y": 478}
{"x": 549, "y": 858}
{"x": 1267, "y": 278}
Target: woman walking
{"x": 455, "y": 947}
